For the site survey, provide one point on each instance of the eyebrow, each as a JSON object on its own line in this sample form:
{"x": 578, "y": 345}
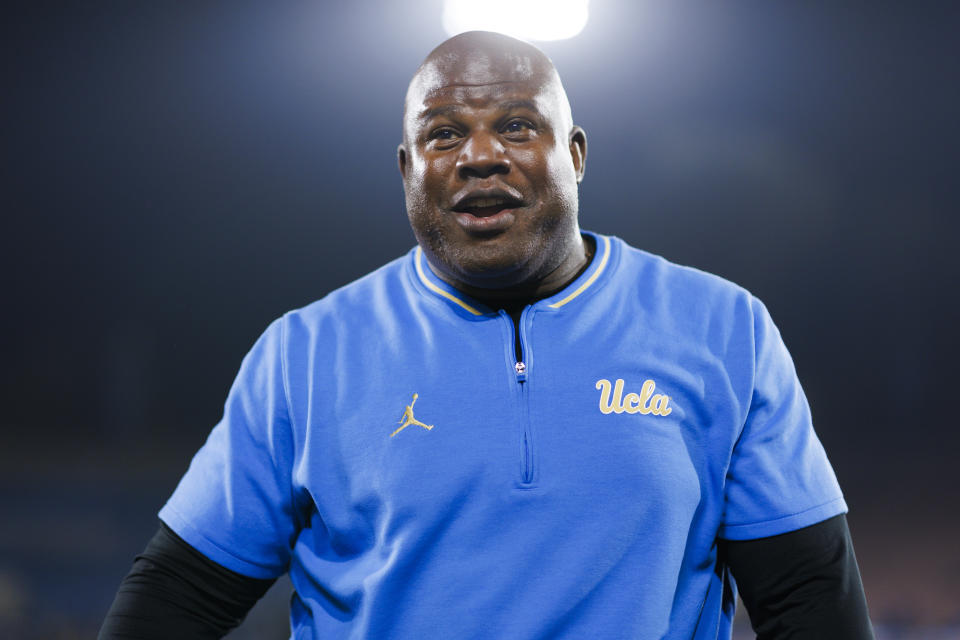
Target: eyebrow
{"x": 448, "y": 109}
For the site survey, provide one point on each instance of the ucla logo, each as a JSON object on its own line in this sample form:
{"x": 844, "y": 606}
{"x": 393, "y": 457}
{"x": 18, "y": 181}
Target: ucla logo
{"x": 612, "y": 399}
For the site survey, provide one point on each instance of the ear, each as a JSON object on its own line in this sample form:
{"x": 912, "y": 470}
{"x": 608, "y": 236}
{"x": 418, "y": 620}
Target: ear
{"x": 402, "y": 160}
{"x": 578, "y": 150}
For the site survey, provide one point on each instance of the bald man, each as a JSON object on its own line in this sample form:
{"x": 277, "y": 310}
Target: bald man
{"x": 600, "y": 441}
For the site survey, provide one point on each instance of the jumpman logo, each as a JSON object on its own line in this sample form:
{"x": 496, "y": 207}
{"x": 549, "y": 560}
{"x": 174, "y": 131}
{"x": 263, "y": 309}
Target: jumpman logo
{"x": 407, "y": 418}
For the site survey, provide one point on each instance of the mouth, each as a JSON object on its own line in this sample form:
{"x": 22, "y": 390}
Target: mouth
{"x": 485, "y": 206}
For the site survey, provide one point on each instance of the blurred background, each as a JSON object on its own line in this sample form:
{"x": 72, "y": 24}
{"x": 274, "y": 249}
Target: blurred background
{"x": 176, "y": 175}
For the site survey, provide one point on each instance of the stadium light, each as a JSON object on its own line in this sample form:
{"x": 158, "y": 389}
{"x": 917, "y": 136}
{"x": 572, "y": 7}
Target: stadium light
{"x": 524, "y": 19}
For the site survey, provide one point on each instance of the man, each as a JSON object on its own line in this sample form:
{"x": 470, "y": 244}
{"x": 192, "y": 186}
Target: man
{"x": 518, "y": 430}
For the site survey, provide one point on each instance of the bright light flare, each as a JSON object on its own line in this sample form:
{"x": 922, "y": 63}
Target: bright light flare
{"x": 524, "y": 19}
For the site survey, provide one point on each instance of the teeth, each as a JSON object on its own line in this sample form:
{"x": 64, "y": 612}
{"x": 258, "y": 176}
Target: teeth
{"x": 480, "y": 203}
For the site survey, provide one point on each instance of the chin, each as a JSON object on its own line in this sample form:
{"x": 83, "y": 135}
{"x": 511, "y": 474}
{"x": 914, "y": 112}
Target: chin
{"x": 489, "y": 269}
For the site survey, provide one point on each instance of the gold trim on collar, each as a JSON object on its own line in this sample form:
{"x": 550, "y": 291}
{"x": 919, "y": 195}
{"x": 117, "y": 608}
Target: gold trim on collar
{"x": 438, "y": 290}
{"x": 591, "y": 279}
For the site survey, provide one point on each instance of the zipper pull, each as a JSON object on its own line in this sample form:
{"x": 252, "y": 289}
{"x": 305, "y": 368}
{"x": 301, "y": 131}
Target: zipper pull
{"x": 521, "y": 369}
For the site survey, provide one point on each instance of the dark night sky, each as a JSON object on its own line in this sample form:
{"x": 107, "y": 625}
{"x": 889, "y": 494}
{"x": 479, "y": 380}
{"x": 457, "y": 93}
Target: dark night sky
{"x": 176, "y": 175}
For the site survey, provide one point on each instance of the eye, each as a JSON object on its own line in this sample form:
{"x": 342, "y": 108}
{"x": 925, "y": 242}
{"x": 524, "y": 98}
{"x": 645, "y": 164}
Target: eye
{"x": 443, "y": 133}
{"x": 517, "y": 126}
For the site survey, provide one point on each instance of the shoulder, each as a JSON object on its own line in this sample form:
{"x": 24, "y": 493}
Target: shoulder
{"x": 371, "y": 296}
{"x": 682, "y": 306}
{"x": 359, "y": 307}
{"x": 676, "y": 288}
{"x": 334, "y": 333}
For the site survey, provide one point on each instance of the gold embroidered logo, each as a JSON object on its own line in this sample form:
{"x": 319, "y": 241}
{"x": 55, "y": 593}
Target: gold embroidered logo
{"x": 647, "y": 402}
{"x": 407, "y": 418}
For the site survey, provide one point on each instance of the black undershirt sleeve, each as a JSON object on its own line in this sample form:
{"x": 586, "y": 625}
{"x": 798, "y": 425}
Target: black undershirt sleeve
{"x": 174, "y": 591}
{"x": 803, "y": 584}
{"x": 799, "y": 585}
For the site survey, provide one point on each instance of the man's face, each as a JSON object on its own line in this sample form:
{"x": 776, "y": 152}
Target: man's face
{"x": 490, "y": 166}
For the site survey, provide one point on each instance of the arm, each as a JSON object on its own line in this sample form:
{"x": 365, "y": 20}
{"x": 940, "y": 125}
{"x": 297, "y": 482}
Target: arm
{"x": 174, "y": 591}
{"x": 802, "y": 584}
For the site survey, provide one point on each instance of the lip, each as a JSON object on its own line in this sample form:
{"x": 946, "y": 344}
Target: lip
{"x": 495, "y": 223}
{"x": 462, "y": 200}
{"x": 486, "y": 223}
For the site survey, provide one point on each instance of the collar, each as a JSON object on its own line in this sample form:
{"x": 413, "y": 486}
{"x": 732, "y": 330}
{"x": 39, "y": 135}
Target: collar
{"x": 577, "y": 291}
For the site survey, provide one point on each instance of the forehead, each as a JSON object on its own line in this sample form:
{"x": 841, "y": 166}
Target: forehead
{"x": 494, "y": 96}
{"x": 482, "y": 75}
{"x": 479, "y": 67}
{"x": 482, "y": 81}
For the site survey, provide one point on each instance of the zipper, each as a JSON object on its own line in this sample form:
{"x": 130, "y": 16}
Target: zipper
{"x": 521, "y": 373}
{"x": 519, "y": 367}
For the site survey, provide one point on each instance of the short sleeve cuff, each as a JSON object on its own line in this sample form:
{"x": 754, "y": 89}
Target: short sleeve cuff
{"x": 768, "y": 528}
{"x": 214, "y": 552}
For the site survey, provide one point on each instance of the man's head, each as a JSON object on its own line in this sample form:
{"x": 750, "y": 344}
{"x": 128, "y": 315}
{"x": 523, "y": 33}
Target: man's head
{"x": 490, "y": 162}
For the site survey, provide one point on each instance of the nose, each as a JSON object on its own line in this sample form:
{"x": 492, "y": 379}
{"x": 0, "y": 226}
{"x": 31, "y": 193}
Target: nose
{"x": 481, "y": 156}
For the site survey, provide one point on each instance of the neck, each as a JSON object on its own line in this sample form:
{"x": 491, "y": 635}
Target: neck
{"x": 514, "y": 299}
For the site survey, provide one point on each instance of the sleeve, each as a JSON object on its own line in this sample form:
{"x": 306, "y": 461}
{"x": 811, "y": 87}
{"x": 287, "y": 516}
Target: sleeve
{"x": 174, "y": 591}
{"x": 801, "y": 584}
{"x": 234, "y": 504}
{"x": 779, "y": 478}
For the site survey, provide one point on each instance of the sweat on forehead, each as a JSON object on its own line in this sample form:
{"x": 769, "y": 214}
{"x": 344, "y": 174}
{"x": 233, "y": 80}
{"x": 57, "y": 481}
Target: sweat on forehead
{"x": 478, "y": 58}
